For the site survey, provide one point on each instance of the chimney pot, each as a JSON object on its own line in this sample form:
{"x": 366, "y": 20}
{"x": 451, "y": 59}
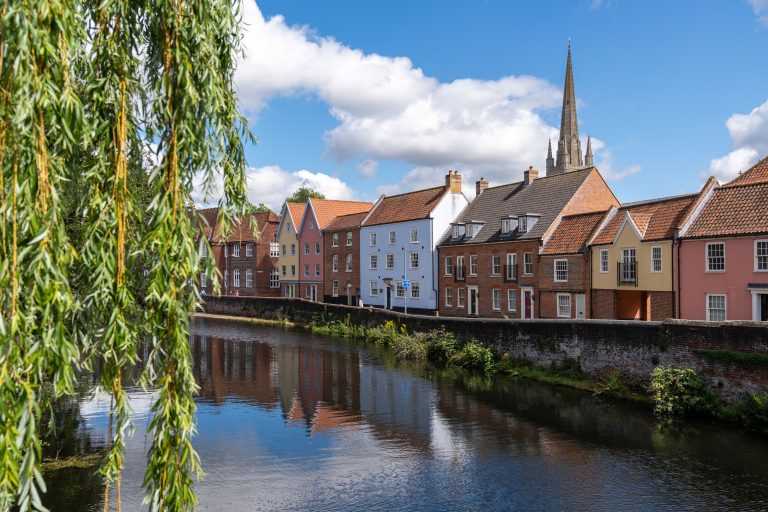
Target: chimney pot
{"x": 453, "y": 182}
{"x": 480, "y": 185}
{"x": 529, "y": 175}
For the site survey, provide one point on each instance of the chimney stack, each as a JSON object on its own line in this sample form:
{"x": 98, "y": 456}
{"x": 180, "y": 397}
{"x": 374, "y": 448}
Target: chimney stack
{"x": 530, "y": 175}
{"x": 480, "y": 185}
{"x": 453, "y": 182}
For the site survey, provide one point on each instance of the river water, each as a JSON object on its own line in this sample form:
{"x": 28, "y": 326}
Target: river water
{"x": 291, "y": 421}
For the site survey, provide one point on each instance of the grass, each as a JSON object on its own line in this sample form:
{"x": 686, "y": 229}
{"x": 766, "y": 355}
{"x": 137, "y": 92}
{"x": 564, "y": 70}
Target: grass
{"x": 742, "y": 359}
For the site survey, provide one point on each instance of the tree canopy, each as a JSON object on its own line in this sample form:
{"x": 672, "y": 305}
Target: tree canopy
{"x": 303, "y": 193}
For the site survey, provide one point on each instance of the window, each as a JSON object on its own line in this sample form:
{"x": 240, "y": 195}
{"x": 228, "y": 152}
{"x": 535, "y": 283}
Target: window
{"x": 249, "y": 278}
{"x": 628, "y": 266}
{"x": 716, "y": 310}
{"x": 511, "y": 300}
{"x": 317, "y": 247}
{"x": 473, "y": 265}
{"x": 249, "y": 250}
{"x": 274, "y": 281}
{"x": 399, "y": 290}
{"x": 374, "y": 262}
{"x": 496, "y": 299}
{"x": 460, "y": 297}
{"x": 335, "y": 288}
{"x": 458, "y": 231}
{"x": 349, "y": 238}
{"x": 236, "y": 278}
{"x": 203, "y": 249}
{"x": 306, "y": 249}
{"x": 284, "y": 250}
{"x": 603, "y": 261}
{"x": 308, "y": 292}
{"x": 311, "y": 224}
{"x": 656, "y": 259}
{"x": 561, "y": 271}
{"x": 761, "y": 255}
{"x": 226, "y": 279}
{"x": 448, "y": 266}
{"x": 564, "y": 305}
{"x": 274, "y": 250}
{"x": 293, "y": 249}
{"x": 448, "y": 296}
{"x": 390, "y": 263}
{"x": 392, "y": 238}
{"x": 512, "y": 266}
{"x": 289, "y": 227}
{"x": 415, "y": 289}
{"x": 507, "y": 225}
{"x": 283, "y": 269}
{"x": 306, "y": 270}
{"x": 414, "y": 260}
{"x": 293, "y": 270}
{"x": 236, "y": 250}
{"x": 374, "y": 289}
{"x": 372, "y": 239}
{"x": 522, "y": 224}
{"x": 335, "y": 240}
{"x": 226, "y": 251}
{"x": 495, "y": 265}
{"x": 203, "y": 282}
{"x": 414, "y": 236}
{"x": 317, "y": 270}
{"x": 335, "y": 263}
{"x": 459, "y": 267}
{"x": 348, "y": 268}
{"x": 528, "y": 264}
{"x": 716, "y": 257}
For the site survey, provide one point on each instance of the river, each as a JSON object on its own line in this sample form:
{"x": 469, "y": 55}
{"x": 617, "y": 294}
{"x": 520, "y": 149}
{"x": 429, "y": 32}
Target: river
{"x": 291, "y": 421}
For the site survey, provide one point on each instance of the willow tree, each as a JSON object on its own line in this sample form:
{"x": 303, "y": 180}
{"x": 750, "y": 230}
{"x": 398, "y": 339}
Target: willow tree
{"x": 82, "y": 83}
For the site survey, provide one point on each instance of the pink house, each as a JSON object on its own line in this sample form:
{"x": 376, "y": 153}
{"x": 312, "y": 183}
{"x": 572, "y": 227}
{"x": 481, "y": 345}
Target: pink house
{"x": 724, "y": 252}
{"x": 317, "y": 216}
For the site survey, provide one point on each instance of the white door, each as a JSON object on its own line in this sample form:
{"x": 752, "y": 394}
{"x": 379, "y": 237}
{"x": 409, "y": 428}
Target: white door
{"x": 581, "y": 304}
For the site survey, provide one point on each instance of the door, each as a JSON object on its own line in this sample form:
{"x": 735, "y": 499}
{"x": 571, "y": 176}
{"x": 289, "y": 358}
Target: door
{"x": 473, "y": 299}
{"x": 763, "y": 316}
{"x": 581, "y": 306}
{"x": 313, "y": 293}
{"x": 350, "y": 298}
{"x": 527, "y": 302}
{"x": 292, "y": 291}
{"x": 389, "y": 297}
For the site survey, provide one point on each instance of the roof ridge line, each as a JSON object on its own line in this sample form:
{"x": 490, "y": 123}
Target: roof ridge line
{"x": 657, "y": 200}
{"x": 414, "y": 191}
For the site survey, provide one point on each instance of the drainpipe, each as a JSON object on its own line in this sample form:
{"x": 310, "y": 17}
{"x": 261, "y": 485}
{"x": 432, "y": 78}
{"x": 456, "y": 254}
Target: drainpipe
{"x": 676, "y": 313}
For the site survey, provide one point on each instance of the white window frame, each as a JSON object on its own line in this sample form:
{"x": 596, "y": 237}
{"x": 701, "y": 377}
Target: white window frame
{"x": 725, "y": 306}
{"x": 527, "y": 256}
{"x": 235, "y": 250}
{"x": 706, "y": 258}
{"x": 389, "y": 261}
{"x": 495, "y": 264}
{"x": 448, "y": 266}
{"x": 248, "y": 278}
{"x": 293, "y": 270}
{"x": 203, "y": 249}
{"x": 460, "y": 297}
{"x": 473, "y": 263}
{"x": 335, "y": 263}
{"x": 415, "y": 286}
{"x": 349, "y": 238}
{"x": 372, "y": 239}
{"x": 412, "y": 260}
{"x": 348, "y": 266}
{"x": 249, "y": 250}
{"x": 654, "y": 260}
{"x": 306, "y": 270}
{"x": 557, "y": 271}
{"x": 511, "y": 300}
{"x": 274, "y": 249}
{"x": 392, "y": 238}
{"x": 317, "y": 248}
{"x": 511, "y": 266}
{"x": 284, "y": 270}
{"x": 522, "y": 224}
{"x": 293, "y": 249}
{"x": 373, "y": 262}
{"x": 374, "y": 288}
{"x": 226, "y": 251}
{"x": 560, "y": 312}
{"x": 399, "y": 290}
{"x": 460, "y": 267}
{"x": 448, "y": 296}
{"x": 496, "y": 299}
{"x": 226, "y": 279}
{"x": 757, "y": 256}
{"x": 306, "y": 248}
{"x": 318, "y": 271}
{"x": 274, "y": 279}
{"x": 334, "y": 288}
{"x": 603, "y": 268}
{"x": 236, "y": 278}
{"x": 335, "y": 240}
{"x": 414, "y": 235}
{"x": 203, "y": 280}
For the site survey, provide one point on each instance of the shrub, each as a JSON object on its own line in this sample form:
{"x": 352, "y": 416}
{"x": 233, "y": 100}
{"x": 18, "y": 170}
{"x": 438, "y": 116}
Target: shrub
{"x": 474, "y": 356}
{"x": 405, "y": 347}
{"x": 441, "y": 346}
{"x": 383, "y": 335}
{"x": 677, "y": 391}
{"x": 753, "y": 412}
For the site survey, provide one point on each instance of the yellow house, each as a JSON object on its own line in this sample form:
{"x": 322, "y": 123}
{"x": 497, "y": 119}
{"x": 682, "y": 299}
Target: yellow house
{"x": 288, "y": 246}
{"x": 634, "y": 257}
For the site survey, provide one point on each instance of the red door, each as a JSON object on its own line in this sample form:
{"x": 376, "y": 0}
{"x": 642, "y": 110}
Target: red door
{"x": 528, "y": 303}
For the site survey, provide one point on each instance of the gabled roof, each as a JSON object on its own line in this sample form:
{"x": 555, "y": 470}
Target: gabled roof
{"x": 734, "y": 209}
{"x": 758, "y": 173}
{"x": 296, "y": 211}
{"x": 546, "y": 196}
{"x": 240, "y": 230}
{"x": 351, "y": 221}
{"x": 656, "y": 219}
{"x": 404, "y": 207}
{"x": 326, "y": 210}
{"x": 573, "y": 233}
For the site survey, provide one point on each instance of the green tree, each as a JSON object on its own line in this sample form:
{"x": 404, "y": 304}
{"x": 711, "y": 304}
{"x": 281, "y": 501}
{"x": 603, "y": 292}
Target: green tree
{"x": 87, "y": 87}
{"x": 260, "y": 208}
{"x": 303, "y": 193}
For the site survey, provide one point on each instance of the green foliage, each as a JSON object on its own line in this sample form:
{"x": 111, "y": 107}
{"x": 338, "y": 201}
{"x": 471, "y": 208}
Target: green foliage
{"x": 753, "y": 412}
{"x": 303, "y": 193}
{"x": 260, "y": 208}
{"x": 612, "y": 385}
{"x": 750, "y": 360}
{"x": 474, "y": 356}
{"x": 442, "y": 347}
{"x": 677, "y": 391}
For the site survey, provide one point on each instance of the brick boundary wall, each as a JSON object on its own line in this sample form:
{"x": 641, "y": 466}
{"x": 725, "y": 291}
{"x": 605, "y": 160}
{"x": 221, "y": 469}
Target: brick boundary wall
{"x": 599, "y": 346}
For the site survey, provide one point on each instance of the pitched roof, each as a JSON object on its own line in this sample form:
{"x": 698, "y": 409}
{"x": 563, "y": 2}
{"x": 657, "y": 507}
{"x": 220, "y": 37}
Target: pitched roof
{"x": 328, "y": 209}
{"x": 296, "y": 210}
{"x": 656, "y": 219}
{"x": 404, "y": 207}
{"x": 573, "y": 232}
{"x": 351, "y": 221}
{"x": 240, "y": 229}
{"x": 758, "y": 173}
{"x": 545, "y": 196}
{"x": 733, "y": 210}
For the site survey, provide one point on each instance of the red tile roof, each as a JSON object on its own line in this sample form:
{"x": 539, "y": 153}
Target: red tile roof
{"x": 758, "y": 173}
{"x": 328, "y": 209}
{"x": 408, "y": 206}
{"x": 656, "y": 219}
{"x": 573, "y": 233}
{"x": 351, "y": 221}
{"x": 239, "y": 230}
{"x": 297, "y": 212}
{"x": 733, "y": 210}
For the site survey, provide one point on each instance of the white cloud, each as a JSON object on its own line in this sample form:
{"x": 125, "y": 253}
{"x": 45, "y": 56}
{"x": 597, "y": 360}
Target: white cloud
{"x": 368, "y": 168}
{"x": 749, "y": 134}
{"x": 604, "y": 161}
{"x": 761, "y": 10}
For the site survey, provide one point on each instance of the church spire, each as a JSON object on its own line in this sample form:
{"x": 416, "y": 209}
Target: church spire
{"x": 550, "y": 160}
{"x": 588, "y": 161}
{"x": 569, "y": 144}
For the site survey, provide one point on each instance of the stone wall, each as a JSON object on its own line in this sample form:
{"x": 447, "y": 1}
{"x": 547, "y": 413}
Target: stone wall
{"x": 634, "y": 348}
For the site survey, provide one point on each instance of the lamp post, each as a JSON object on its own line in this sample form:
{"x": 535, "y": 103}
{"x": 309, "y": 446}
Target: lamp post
{"x": 405, "y": 281}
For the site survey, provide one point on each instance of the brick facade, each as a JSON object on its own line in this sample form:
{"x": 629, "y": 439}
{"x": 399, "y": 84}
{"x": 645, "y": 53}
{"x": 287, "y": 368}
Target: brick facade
{"x": 348, "y": 281}
{"x": 662, "y": 305}
{"x": 578, "y": 280}
{"x": 603, "y": 304}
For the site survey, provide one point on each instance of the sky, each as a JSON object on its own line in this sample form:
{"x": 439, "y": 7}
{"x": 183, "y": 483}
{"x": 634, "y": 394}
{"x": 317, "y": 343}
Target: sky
{"x": 359, "y": 99}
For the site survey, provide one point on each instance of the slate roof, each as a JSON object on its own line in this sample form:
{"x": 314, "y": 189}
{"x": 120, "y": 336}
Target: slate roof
{"x": 656, "y": 219}
{"x": 404, "y": 207}
{"x": 573, "y": 233}
{"x": 733, "y": 210}
{"x": 351, "y": 221}
{"x": 758, "y": 173}
{"x": 545, "y": 196}
{"x": 326, "y": 210}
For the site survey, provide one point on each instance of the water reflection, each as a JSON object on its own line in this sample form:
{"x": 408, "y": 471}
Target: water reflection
{"x": 288, "y": 421}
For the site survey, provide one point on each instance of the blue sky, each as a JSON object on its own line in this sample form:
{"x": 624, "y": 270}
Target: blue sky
{"x": 363, "y": 98}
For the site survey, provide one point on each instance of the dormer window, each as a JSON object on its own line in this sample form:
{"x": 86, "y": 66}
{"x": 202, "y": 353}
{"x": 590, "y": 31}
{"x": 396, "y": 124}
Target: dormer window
{"x": 526, "y": 222}
{"x": 473, "y": 228}
{"x": 522, "y": 224}
{"x": 508, "y": 224}
{"x": 459, "y": 230}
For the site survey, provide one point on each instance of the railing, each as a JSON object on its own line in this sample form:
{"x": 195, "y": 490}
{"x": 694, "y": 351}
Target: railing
{"x": 510, "y": 272}
{"x": 626, "y": 273}
{"x": 459, "y": 272}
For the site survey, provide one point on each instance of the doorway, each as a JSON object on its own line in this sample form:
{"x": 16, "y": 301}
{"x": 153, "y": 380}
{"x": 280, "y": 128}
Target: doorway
{"x": 528, "y": 310}
{"x": 350, "y": 298}
{"x": 760, "y": 306}
{"x": 473, "y": 301}
{"x": 389, "y": 296}
{"x": 581, "y": 306}
{"x": 313, "y": 293}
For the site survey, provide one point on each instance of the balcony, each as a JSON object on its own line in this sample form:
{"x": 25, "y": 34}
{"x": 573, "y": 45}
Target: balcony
{"x": 626, "y": 273}
{"x": 510, "y": 273}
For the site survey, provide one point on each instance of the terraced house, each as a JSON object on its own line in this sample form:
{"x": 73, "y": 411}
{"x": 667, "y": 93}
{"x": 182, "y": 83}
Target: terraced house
{"x": 287, "y": 239}
{"x": 342, "y": 259}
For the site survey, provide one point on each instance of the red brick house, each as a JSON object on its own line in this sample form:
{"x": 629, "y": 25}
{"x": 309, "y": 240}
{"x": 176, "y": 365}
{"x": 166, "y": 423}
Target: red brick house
{"x": 489, "y": 264}
{"x": 342, "y": 259}
{"x": 564, "y": 267}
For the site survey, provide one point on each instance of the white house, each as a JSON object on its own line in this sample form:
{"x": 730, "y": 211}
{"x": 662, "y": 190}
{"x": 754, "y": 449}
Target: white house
{"x": 398, "y": 238}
